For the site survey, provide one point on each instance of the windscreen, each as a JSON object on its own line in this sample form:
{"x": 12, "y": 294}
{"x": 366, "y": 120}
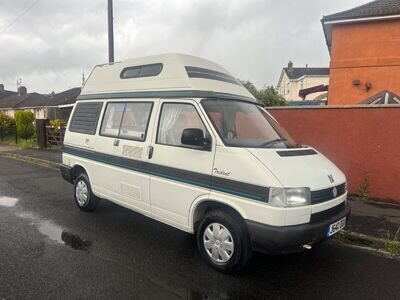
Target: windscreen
{"x": 244, "y": 124}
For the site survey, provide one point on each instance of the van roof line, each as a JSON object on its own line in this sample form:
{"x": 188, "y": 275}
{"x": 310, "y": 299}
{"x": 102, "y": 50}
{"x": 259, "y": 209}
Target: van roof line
{"x": 164, "y": 94}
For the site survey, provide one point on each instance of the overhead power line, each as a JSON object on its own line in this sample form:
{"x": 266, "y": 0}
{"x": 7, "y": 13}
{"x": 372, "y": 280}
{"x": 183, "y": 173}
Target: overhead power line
{"x": 19, "y": 16}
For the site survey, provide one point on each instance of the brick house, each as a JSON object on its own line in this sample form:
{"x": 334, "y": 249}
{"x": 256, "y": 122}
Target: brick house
{"x": 364, "y": 44}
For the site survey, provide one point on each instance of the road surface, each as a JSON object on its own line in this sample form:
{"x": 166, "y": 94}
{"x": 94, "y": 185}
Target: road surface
{"x": 49, "y": 249}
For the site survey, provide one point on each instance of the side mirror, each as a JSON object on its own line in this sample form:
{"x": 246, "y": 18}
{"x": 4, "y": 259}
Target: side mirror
{"x": 194, "y": 137}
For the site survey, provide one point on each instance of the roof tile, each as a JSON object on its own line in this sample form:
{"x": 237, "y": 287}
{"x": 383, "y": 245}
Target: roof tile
{"x": 294, "y": 73}
{"x": 376, "y": 8}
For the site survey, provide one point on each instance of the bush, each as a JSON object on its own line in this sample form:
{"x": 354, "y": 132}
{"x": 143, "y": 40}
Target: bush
{"x": 7, "y": 125}
{"x": 58, "y": 124}
{"x": 24, "y": 121}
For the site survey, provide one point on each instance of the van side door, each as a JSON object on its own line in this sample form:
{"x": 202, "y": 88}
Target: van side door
{"x": 124, "y": 136}
{"x": 179, "y": 173}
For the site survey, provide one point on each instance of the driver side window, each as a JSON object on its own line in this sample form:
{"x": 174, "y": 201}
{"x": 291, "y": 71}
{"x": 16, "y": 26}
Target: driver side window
{"x": 174, "y": 118}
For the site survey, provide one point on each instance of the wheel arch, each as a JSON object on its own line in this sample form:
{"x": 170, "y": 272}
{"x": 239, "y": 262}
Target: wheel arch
{"x": 77, "y": 169}
{"x": 202, "y": 206}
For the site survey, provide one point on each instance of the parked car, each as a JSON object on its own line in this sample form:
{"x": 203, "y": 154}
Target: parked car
{"x": 176, "y": 138}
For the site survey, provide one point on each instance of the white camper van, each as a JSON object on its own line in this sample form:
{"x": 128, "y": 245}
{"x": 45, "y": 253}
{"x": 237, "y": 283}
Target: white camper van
{"x": 176, "y": 138}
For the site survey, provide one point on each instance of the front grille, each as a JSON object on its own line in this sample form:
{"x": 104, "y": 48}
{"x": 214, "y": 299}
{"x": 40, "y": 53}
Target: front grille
{"x": 327, "y": 194}
{"x": 323, "y": 215}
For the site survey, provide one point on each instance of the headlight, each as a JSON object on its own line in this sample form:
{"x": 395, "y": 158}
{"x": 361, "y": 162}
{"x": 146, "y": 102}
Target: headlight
{"x": 289, "y": 197}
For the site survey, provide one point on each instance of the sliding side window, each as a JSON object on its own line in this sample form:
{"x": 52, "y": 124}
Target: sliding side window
{"x": 127, "y": 120}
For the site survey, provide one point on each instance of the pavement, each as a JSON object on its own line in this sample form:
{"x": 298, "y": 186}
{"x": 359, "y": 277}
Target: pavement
{"x": 42, "y": 154}
{"x": 376, "y": 219}
{"x": 49, "y": 249}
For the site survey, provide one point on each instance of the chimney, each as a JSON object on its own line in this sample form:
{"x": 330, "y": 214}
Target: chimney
{"x": 290, "y": 65}
{"x": 22, "y": 91}
{"x": 1, "y": 87}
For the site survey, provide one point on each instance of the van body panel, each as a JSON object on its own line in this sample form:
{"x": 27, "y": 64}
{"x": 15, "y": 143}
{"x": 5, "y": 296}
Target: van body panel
{"x": 300, "y": 171}
{"x": 131, "y": 186}
{"x": 182, "y": 179}
{"x": 252, "y": 209}
{"x": 239, "y": 165}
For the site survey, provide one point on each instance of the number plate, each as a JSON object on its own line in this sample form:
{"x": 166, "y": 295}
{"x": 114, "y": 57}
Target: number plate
{"x": 336, "y": 227}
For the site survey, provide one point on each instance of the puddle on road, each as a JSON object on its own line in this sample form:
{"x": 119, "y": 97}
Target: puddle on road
{"x": 75, "y": 241}
{"x": 8, "y": 201}
{"x": 56, "y": 233}
{"x": 61, "y": 236}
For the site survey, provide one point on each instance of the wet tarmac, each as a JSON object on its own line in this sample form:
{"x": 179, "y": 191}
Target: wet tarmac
{"x": 49, "y": 249}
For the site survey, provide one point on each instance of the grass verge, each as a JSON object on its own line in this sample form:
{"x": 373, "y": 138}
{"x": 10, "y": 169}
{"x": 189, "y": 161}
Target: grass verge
{"x": 29, "y": 143}
{"x": 390, "y": 247}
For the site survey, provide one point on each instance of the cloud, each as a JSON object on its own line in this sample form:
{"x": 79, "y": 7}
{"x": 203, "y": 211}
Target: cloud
{"x": 50, "y": 45}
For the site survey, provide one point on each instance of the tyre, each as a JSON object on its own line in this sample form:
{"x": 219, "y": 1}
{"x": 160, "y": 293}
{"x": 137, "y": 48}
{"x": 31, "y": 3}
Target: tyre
{"x": 84, "y": 197}
{"x": 223, "y": 242}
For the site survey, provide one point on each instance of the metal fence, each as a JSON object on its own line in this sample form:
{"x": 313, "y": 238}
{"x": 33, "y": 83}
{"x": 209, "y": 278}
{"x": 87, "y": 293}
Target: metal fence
{"x": 8, "y": 134}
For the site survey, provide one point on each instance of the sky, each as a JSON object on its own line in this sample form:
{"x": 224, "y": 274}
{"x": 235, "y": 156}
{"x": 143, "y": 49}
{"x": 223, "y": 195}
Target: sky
{"x": 50, "y": 43}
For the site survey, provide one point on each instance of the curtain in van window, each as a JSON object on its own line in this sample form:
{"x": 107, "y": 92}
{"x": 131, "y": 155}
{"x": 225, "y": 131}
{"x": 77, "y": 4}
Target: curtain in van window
{"x": 169, "y": 116}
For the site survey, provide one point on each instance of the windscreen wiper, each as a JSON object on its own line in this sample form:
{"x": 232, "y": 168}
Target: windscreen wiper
{"x": 271, "y": 142}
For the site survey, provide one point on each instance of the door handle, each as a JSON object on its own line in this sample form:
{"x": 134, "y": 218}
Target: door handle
{"x": 116, "y": 143}
{"x": 151, "y": 150}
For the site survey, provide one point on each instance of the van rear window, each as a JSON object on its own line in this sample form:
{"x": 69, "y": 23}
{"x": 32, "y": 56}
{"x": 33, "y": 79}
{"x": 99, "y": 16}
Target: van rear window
{"x": 85, "y": 118}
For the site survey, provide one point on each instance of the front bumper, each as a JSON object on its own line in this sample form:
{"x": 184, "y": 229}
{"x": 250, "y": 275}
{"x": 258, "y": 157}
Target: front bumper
{"x": 288, "y": 239}
{"x": 66, "y": 173}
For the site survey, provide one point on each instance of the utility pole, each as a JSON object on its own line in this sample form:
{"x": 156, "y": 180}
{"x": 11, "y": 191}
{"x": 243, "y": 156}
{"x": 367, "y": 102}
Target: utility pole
{"x": 110, "y": 32}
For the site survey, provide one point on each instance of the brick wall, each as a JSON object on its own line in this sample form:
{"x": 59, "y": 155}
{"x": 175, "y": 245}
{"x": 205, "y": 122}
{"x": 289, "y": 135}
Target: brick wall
{"x": 363, "y": 141}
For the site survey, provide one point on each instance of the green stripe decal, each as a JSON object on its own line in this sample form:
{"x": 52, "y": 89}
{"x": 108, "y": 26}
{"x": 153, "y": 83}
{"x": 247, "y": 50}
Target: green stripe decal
{"x": 91, "y": 155}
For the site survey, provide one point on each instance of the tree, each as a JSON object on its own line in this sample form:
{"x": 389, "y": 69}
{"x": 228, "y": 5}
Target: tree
{"x": 7, "y": 125}
{"x": 24, "y": 121}
{"x": 250, "y": 87}
{"x": 269, "y": 96}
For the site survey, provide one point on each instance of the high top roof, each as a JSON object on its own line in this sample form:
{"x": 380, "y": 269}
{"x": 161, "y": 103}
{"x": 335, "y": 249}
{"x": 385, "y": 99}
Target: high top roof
{"x": 169, "y": 75}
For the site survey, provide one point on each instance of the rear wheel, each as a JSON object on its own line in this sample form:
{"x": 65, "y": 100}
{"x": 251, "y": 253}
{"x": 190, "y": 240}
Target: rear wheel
{"x": 223, "y": 242}
{"x": 84, "y": 197}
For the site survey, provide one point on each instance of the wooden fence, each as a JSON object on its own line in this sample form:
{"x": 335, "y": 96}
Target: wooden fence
{"x": 55, "y": 136}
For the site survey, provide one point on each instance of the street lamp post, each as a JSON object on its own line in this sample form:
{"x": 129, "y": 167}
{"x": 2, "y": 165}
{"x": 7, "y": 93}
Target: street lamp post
{"x": 110, "y": 32}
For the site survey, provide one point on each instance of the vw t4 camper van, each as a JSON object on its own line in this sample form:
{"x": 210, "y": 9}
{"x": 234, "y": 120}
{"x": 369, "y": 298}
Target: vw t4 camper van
{"x": 180, "y": 140}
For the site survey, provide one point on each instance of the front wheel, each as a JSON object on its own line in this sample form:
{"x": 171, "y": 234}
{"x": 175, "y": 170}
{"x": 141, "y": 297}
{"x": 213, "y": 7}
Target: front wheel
{"x": 223, "y": 242}
{"x": 84, "y": 197}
